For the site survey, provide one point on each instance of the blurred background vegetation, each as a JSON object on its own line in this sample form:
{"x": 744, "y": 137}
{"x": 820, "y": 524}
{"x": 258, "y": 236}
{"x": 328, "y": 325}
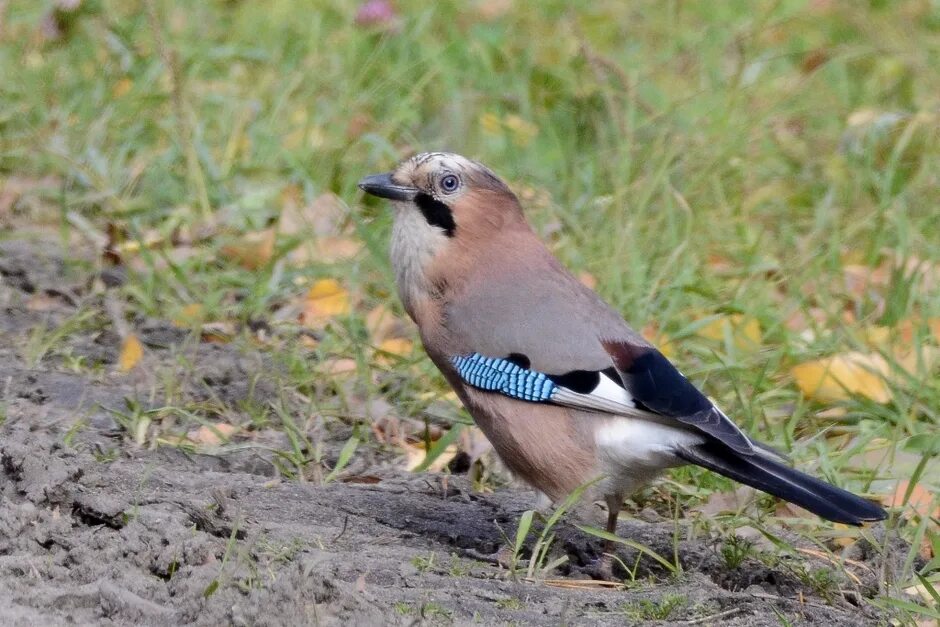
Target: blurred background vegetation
{"x": 755, "y": 184}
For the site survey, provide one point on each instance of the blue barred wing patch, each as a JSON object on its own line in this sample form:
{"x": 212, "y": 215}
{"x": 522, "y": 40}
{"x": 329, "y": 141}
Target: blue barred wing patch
{"x": 502, "y": 375}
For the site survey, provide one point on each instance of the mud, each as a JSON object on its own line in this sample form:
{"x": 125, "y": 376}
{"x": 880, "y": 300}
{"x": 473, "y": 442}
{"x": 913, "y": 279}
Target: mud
{"x": 96, "y": 530}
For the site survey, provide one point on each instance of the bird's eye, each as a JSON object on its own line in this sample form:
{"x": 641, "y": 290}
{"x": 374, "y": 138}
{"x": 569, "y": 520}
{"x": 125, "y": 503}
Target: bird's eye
{"x": 450, "y": 183}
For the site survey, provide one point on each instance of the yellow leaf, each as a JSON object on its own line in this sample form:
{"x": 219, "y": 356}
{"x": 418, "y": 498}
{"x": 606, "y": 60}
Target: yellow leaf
{"x": 325, "y": 300}
{"x": 659, "y": 339}
{"x": 416, "y": 453}
{"x": 131, "y": 352}
{"x": 522, "y": 131}
{"x": 190, "y": 315}
{"x": 397, "y": 346}
{"x": 121, "y": 87}
{"x": 744, "y": 331}
{"x": 877, "y": 336}
{"x": 490, "y": 124}
{"x": 839, "y": 377}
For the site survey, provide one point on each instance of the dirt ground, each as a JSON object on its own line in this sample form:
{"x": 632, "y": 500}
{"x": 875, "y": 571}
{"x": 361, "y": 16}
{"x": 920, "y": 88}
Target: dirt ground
{"x": 94, "y": 530}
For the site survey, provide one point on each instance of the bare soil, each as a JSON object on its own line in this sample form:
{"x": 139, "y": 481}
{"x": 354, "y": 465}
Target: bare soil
{"x": 95, "y": 530}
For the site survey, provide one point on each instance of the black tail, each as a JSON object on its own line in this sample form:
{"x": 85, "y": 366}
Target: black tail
{"x": 784, "y": 482}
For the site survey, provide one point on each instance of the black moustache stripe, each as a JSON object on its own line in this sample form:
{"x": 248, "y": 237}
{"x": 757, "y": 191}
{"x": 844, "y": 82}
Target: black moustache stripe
{"x": 436, "y": 213}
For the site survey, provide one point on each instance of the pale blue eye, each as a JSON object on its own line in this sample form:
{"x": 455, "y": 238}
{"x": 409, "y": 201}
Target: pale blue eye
{"x": 450, "y": 183}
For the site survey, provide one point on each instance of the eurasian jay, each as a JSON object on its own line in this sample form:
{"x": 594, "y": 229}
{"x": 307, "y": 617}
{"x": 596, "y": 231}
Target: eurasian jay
{"x": 564, "y": 389}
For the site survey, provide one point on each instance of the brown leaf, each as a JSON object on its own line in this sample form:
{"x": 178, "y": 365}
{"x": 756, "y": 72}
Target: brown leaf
{"x": 253, "y": 250}
{"x": 725, "y": 502}
{"x": 587, "y": 279}
{"x": 327, "y": 249}
{"x": 382, "y": 324}
{"x": 363, "y": 479}
{"x": 213, "y": 435}
{"x": 321, "y": 218}
{"x": 44, "y": 301}
{"x": 219, "y": 332}
{"x": 814, "y": 60}
{"x": 920, "y": 504}
{"x": 339, "y": 366}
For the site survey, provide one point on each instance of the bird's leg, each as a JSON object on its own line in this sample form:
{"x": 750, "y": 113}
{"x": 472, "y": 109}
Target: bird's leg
{"x": 604, "y": 567}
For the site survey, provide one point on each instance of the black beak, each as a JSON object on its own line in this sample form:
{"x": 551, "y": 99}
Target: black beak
{"x": 383, "y": 186}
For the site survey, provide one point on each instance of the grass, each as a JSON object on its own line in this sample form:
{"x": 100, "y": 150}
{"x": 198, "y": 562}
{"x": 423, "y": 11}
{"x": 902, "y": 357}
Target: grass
{"x": 700, "y": 160}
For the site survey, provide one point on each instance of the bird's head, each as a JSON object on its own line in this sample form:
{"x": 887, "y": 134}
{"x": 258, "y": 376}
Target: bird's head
{"x": 450, "y": 192}
{"x": 446, "y": 207}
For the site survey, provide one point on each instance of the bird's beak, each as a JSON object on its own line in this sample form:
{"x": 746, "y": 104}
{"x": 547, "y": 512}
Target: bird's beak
{"x": 383, "y": 186}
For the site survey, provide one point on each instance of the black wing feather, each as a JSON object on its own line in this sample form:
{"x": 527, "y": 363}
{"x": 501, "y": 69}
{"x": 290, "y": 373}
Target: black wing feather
{"x": 654, "y": 382}
{"x": 765, "y": 474}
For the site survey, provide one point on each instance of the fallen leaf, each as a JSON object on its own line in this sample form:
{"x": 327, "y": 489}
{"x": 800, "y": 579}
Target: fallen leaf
{"x": 131, "y": 353}
{"x": 44, "y": 301}
{"x": 814, "y": 59}
{"x": 213, "y": 435}
{"x": 921, "y": 502}
{"x": 921, "y": 591}
{"x": 658, "y": 339}
{"x": 189, "y": 315}
{"x": 839, "y": 377}
{"x": 587, "y": 279}
{"x": 744, "y": 332}
{"x": 322, "y": 217}
{"x": 382, "y": 324}
{"x": 121, "y": 87}
{"x": 785, "y": 509}
{"x": 358, "y": 124}
{"x": 522, "y": 131}
{"x": 397, "y": 346}
{"x": 339, "y": 366}
{"x": 328, "y": 249}
{"x": 253, "y": 250}
{"x": 491, "y": 124}
{"x": 219, "y": 332}
{"x": 474, "y": 443}
{"x": 725, "y": 502}
{"x": 325, "y": 300}
{"x": 415, "y": 454}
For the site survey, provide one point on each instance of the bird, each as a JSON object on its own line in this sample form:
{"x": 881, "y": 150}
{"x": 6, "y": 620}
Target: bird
{"x": 564, "y": 389}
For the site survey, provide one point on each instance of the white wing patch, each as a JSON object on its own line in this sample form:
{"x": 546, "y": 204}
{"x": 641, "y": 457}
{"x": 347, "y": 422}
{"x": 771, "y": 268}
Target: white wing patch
{"x": 635, "y": 443}
{"x": 608, "y": 396}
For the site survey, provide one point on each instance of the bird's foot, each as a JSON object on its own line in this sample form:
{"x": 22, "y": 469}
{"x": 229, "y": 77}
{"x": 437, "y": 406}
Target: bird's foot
{"x": 602, "y": 568}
